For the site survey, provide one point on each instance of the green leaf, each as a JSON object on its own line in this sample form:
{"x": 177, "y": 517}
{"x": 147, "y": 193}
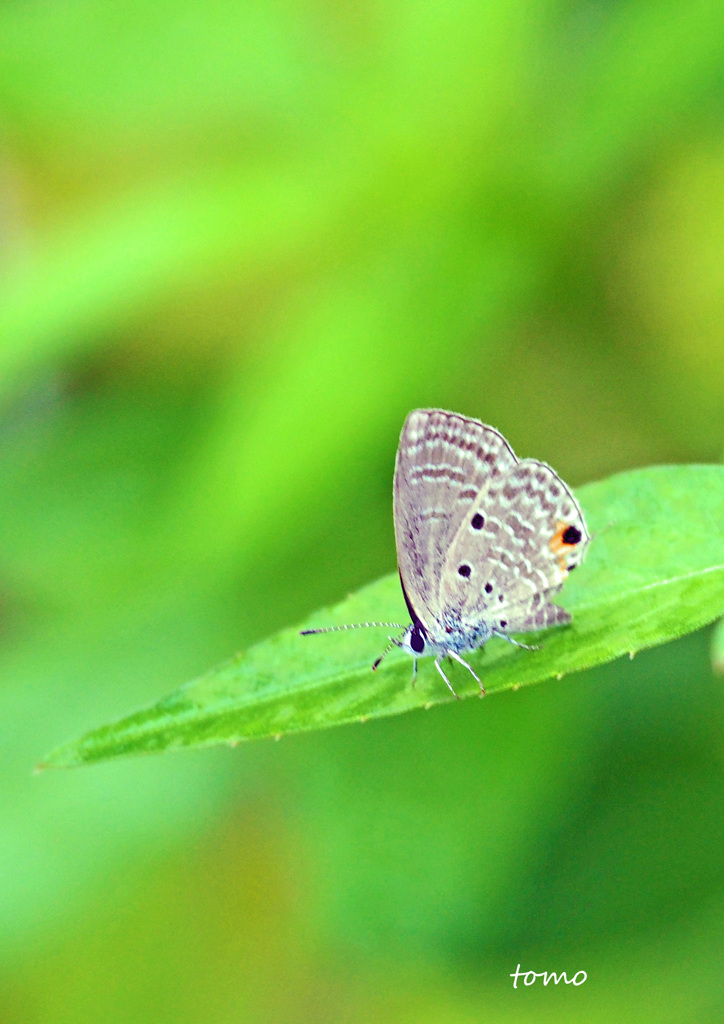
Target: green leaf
{"x": 717, "y": 648}
{"x": 654, "y": 571}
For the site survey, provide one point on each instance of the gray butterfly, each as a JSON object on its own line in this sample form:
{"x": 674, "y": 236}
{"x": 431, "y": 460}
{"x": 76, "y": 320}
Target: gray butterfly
{"x": 484, "y": 540}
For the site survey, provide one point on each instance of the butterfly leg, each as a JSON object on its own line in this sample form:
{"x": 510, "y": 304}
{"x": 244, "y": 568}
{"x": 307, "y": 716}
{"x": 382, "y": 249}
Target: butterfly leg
{"x": 414, "y": 671}
{"x": 463, "y": 662}
{"x": 517, "y": 643}
{"x": 438, "y": 666}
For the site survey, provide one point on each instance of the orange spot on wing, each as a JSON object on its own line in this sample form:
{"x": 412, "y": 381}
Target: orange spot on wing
{"x": 556, "y": 542}
{"x": 558, "y": 546}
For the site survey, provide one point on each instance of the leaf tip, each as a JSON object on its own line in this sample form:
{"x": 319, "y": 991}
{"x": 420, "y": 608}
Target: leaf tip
{"x": 60, "y": 757}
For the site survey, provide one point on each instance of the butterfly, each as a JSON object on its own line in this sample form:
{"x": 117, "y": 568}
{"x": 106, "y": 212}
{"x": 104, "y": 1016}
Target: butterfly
{"x": 484, "y": 540}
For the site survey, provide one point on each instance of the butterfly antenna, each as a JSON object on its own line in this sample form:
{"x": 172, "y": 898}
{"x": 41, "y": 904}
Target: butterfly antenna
{"x": 394, "y": 642}
{"x": 353, "y": 625}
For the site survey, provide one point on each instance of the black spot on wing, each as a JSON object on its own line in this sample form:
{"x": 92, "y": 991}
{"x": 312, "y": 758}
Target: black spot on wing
{"x": 571, "y": 535}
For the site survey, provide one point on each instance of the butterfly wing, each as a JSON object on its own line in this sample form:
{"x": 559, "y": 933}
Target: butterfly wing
{"x": 513, "y": 550}
{"x": 444, "y": 462}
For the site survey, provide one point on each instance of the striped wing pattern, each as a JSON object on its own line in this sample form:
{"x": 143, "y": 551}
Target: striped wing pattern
{"x": 445, "y": 463}
{"x": 481, "y": 537}
{"x": 532, "y": 534}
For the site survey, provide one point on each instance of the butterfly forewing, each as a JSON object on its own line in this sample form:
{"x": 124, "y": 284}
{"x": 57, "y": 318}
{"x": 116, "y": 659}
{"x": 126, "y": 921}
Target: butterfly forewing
{"x": 513, "y": 550}
{"x": 445, "y": 464}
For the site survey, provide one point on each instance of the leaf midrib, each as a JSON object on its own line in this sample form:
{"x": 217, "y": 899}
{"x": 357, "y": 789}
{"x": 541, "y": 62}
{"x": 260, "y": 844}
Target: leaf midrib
{"x": 604, "y": 601}
{"x": 635, "y": 591}
{"x": 352, "y": 672}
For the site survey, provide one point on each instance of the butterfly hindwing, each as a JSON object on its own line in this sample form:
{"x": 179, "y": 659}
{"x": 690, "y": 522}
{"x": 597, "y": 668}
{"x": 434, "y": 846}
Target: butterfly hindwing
{"x": 445, "y": 463}
{"x": 513, "y": 550}
{"x": 537, "y": 613}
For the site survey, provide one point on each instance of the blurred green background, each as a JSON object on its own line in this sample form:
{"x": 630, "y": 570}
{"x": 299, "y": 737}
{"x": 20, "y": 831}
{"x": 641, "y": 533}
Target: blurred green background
{"x": 238, "y": 242}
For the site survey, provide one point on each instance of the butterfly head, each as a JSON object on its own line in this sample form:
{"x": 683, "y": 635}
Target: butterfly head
{"x": 415, "y": 641}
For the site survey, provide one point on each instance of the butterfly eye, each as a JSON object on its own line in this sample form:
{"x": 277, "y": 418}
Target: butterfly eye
{"x": 417, "y": 640}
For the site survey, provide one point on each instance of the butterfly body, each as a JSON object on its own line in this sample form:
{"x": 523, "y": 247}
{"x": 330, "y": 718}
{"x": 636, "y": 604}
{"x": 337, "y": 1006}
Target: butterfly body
{"x": 484, "y": 540}
{"x": 454, "y": 637}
